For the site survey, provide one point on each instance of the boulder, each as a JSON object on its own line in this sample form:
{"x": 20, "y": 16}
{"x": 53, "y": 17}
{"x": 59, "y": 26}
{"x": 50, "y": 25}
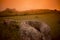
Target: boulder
{"x": 41, "y": 28}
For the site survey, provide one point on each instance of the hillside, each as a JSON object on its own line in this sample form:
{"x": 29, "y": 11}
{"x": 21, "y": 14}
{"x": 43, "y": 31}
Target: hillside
{"x": 13, "y": 12}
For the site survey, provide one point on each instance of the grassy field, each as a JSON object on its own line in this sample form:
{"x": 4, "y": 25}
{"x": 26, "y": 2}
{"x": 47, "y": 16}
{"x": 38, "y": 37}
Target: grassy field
{"x": 51, "y": 19}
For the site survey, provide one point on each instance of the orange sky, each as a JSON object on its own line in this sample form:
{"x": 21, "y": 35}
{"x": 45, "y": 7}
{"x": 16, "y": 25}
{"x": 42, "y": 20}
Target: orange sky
{"x": 30, "y": 4}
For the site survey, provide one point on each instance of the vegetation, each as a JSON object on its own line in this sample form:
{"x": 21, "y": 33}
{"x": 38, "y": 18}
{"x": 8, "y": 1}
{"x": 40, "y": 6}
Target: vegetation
{"x": 9, "y": 31}
{"x": 13, "y": 12}
{"x": 51, "y": 17}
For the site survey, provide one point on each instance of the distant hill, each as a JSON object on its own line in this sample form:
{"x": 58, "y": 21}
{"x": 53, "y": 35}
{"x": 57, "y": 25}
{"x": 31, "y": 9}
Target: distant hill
{"x": 13, "y": 12}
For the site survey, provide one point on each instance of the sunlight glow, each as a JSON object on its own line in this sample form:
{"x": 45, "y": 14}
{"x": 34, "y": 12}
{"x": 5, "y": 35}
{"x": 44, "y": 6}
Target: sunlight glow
{"x": 30, "y": 4}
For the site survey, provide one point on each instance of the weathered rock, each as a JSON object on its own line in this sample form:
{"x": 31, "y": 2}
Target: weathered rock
{"x": 28, "y": 32}
{"x": 41, "y": 27}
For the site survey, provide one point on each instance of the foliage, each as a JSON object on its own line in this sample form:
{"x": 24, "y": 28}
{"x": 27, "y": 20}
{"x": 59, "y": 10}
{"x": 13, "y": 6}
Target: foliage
{"x": 9, "y": 31}
{"x": 13, "y": 12}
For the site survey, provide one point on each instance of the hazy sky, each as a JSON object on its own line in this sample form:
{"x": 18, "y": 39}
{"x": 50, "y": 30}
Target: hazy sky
{"x": 30, "y": 4}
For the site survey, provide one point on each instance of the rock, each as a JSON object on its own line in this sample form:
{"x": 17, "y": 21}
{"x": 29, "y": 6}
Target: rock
{"x": 28, "y": 32}
{"x": 41, "y": 27}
